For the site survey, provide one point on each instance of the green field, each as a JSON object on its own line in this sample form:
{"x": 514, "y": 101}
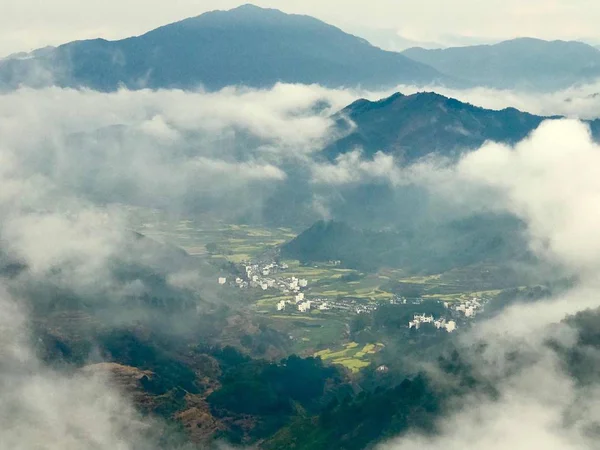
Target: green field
{"x": 220, "y": 242}
{"x": 233, "y": 242}
{"x": 327, "y": 281}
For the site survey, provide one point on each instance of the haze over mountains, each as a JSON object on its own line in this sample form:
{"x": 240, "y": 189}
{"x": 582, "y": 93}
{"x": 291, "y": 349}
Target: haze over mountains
{"x": 247, "y": 46}
{"x": 258, "y": 47}
{"x": 523, "y": 63}
{"x": 207, "y": 238}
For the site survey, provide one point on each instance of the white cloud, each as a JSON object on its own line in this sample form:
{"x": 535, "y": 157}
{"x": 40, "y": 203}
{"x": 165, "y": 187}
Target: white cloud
{"x": 55, "y": 164}
{"x": 578, "y": 102}
{"x": 352, "y": 168}
{"x": 549, "y": 181}
{"x": 166, "y": 147}
{"x": 49, "y": 410}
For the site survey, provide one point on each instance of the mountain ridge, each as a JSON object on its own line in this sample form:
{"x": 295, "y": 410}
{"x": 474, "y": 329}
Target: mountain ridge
{"x": 413, "y": 126}
{"x": 248, "y": 46}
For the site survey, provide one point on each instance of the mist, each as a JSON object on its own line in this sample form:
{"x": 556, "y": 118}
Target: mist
{"x": 576, "y": 102}
{"x": 548, "y": 181}
{"x": 70, "y": 160}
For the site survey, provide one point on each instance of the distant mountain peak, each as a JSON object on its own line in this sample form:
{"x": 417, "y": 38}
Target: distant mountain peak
{"x": 416, "y": 101}
{"x": 363, "y": 104}
{"x": 252, "y": 10}
{"x": 248, "y": 45}
{"x": 248, "y": 6}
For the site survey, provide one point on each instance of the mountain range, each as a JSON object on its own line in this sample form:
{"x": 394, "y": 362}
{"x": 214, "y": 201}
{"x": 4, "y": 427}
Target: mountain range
{"x": 524, "y": 63}
{"x": 259, "y": 47}
{"x": 248, "y": 46}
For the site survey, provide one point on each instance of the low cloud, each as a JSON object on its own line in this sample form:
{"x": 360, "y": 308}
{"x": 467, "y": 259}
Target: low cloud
{"x": 68, "y": 159}
{"x": 45, "y": 409}
{"x": 577, "y": 102}
{"x": 67, "y": 156}
{"x": 352, "y": 168}
{"x": 548, "y": 180}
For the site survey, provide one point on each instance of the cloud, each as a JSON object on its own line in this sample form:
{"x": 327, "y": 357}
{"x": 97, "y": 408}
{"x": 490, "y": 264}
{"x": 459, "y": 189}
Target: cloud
{"x": 351, "y": 168}
{"x": 548, "y": 180}
{"x": 71, "y": 165}
{"x": 45, "y": 409}
{"x": 67, "y": 156}
{"x": 165, "y": 148}
{"x": 538, "y": 403}
{"x": 577, "y": 102}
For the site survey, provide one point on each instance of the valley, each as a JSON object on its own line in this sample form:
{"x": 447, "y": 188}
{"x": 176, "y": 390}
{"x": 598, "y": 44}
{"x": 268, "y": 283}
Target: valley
{"x": 317, "y": 305}
{"x": 251, "y": 229}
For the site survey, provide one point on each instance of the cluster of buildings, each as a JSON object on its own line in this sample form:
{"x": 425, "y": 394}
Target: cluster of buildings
{"x": 260, "y": 276}
{"x": 466, "y": 309}
{"x": 299, "y": 302}
{"x": 302, "y": 305}
{"x": 440, "y": 324}
{"x": 469, "y": 308}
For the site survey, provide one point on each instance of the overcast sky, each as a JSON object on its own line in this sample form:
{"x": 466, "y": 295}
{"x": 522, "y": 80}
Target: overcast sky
{"x": 29, "y": 24}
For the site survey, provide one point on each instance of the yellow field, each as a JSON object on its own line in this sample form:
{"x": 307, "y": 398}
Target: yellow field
{"x": 351, "y": 357}
{"x": 422, "y": 280}
{"x": 353, "y": 364}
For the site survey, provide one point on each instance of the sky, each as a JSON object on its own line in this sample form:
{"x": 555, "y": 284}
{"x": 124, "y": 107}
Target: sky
{"x": 29, "y": 24}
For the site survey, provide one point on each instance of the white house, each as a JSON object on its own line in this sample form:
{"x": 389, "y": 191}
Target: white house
{"x": 299, "y": 297}
{"x": 304, "y": 306}
{"x": 281, "y": 305}
{"x": 303, "y": 283}
{"x": 222, "y": 280}
{"x": 450, "y": 326}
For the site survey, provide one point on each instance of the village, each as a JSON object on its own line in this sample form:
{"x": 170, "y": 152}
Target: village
{"x": 261, "y": 275}
{"x": 270, "y": 275}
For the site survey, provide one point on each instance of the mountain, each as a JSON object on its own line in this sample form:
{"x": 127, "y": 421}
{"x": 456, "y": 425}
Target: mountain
{"x": 413, "y": 126}
{"x": 425, "y": 248}
{"x": 523, "y": 63}
{"x": 244, "y": 46}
